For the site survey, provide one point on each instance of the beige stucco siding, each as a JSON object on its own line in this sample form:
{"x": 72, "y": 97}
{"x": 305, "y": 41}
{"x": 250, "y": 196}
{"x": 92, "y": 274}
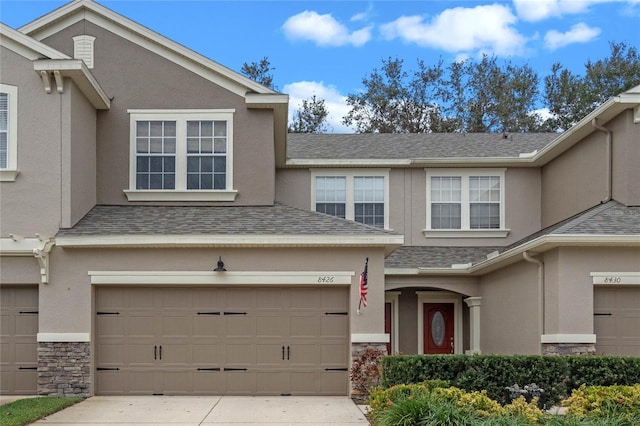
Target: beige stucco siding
{"x": 66, "y": 302}
{"x": 569, "y": 286}
{"x": 293, "y": 187}
{"x": 136, "y": 78}
{"x": 19, "y": 270}
{"x": 626, "y": 158}
{"x": 575, "y": 181}
{"x": 509, "y": 312}
{"x": 79, "y": 158}
{"x": 32, "y": 203}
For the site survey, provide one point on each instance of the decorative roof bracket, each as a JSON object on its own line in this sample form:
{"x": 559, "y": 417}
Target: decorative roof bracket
{"x": 42, "y": 256}
{"x": 59, "y": 81}
{"x": 44, "y": 75}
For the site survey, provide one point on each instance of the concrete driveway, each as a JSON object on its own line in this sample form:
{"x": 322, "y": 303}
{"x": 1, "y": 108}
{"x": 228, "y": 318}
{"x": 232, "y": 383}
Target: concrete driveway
{"x": 210, "y": 410}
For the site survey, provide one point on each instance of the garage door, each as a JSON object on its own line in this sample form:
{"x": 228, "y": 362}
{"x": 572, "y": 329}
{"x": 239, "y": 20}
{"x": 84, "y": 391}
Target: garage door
{"x": 18, "y": 346}
{"x": 617, "y": 320}
{"x": 227, "y": 341}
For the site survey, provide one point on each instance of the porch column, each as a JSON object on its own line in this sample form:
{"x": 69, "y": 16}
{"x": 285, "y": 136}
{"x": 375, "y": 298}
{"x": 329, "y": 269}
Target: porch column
{"x": 474, "y": 304}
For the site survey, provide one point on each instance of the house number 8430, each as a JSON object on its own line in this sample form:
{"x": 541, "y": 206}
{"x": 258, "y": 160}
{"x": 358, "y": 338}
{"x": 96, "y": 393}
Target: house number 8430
{"x": 612, "y": 280}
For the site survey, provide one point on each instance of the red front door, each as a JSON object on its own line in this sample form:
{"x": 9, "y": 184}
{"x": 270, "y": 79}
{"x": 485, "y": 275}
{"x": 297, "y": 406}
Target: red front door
{"x": 438, "y": 335}
{"x": 388, "y": 325}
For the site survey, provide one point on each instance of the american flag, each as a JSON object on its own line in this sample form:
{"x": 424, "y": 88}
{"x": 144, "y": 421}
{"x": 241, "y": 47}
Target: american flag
{"x": 364, "y": 283}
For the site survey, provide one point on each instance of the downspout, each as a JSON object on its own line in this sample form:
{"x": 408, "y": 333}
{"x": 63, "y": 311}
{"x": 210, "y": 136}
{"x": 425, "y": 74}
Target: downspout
{"x": 541, "y": 310}
{"x": 606, "y": 131}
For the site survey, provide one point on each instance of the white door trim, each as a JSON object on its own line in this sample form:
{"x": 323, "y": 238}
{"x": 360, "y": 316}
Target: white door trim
{"x": 392, "y": 297}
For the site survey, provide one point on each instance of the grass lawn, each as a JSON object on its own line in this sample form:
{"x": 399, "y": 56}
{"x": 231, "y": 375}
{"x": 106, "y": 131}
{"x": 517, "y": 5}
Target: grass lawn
{"x": 28, "y": 410}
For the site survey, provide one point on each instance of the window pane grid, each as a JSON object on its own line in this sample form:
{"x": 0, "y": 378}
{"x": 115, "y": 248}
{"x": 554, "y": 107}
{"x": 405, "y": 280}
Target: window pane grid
{"x": 446, "y": 199}
{"x": 156, "y": 154}
{"x": 368, "y": 196}
{"x": 331, "y": 195}
{"x": 206, "y": 155}
{"x": 4, "y": 130}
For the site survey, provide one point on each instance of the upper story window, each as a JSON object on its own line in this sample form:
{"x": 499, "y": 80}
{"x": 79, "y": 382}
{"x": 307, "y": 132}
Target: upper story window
{"x": 465, "y": 203}
{"x": 8, "y": 133}
{"x": 182, "y": 155}
{"x": 356, "y": 195}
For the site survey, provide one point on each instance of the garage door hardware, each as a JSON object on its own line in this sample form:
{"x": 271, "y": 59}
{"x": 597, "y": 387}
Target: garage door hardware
{"x": 234, "y": 369}
{"x": 288, "y": 352}
{"x": 28, "y": 368}
{"x": 336, "y": 369}
{"x": 208, "y": 313}
{"x": 107, "y": 313}
{"x": 107, "y": 369}
{"x": 208, "y": 369}
{"x": 29, "y": 312}
{"x": 602, "y": 315}
{"x": 234, "y": 313}
{"x": 157, "y": 350}
{"x": 336, "y": 313}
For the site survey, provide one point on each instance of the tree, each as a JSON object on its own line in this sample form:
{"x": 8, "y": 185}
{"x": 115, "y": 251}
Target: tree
{"x": 570, "y": 97}
{"x": 487, "y": 97}
{"x": 311, "y": 117}
{"x": 395, "y": 102}
{"x": 260, "y": 72}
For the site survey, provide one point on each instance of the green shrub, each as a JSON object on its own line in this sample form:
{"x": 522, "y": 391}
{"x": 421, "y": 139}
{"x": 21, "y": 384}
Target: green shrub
{"x": 557, "y": 375}
{"x": 604, "y": 401}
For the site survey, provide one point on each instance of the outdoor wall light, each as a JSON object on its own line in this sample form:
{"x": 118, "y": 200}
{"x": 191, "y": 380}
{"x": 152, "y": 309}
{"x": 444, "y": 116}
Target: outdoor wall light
{"x": 220, "y": 267}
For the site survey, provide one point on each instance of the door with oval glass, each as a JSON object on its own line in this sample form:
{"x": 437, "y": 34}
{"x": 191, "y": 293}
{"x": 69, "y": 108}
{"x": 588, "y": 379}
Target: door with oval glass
{"x": 438, "y": 328}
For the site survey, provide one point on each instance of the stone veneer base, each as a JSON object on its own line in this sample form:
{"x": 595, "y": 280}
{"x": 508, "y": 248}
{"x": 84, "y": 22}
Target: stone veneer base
{"x": 64, "y": 369}
{"x": 568, "y": 349}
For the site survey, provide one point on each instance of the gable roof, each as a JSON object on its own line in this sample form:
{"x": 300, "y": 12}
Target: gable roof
{"x": 608, "y": 224}
{"x": 255, "y": 95}
{"x": 48, "y": 62}
{"x": 420, "y": 149}
{"x": 27, "y": 46}
{"x": 277, "y": 225}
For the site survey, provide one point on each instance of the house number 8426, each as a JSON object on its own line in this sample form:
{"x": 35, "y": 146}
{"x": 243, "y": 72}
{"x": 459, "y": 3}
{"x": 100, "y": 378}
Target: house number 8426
{"x": 325, "y": 279}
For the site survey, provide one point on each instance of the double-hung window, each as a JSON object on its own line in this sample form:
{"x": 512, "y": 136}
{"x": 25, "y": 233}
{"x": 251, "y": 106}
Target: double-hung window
{"x": 465, "y": 203}
{"x": 8, "y": 132}
{"x": 182, "y": 155}
{"x": 361, "y": 196}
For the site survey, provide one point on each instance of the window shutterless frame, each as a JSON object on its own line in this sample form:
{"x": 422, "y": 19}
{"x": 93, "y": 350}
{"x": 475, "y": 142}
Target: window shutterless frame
{"x": 8, "y": 133}
{"x": 365, "y": 190}
{"x": 465, "y": 203}
{"x": 179, "y": 170}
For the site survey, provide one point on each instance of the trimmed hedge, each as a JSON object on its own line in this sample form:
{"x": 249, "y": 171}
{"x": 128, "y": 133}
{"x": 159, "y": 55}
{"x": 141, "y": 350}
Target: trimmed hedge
{"x": 557, "y": 375}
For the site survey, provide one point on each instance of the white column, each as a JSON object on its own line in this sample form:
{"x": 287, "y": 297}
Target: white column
{"x": 474, "y": 304}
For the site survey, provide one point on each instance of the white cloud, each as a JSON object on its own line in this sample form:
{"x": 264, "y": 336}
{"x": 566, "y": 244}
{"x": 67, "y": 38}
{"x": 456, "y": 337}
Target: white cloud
{"x": 333, "y": 100}
{"x": 462, "y": 30}
{"x": 537, "y": 10}
{"x": 324, "y": 30}
{"x": 579, "y": 33}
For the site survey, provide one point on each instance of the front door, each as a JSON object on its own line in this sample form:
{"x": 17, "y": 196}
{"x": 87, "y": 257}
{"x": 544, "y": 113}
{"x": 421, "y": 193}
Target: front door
{"x": 438, "y": 328}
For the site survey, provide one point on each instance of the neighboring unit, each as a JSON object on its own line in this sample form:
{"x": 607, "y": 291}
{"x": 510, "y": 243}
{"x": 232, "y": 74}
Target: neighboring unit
{"x": 161, "y": 233}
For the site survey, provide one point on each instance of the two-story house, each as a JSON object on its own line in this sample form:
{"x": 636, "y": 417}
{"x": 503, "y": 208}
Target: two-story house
{"x": 160, "y": 233}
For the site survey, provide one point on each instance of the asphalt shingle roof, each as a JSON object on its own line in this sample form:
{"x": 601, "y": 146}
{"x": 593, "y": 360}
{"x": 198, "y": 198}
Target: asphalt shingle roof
{"x": 204, "y": 220}
{"x": 414, "y": 145}
{"x": 611, "y": 218}
{"x": 435, "y": 256}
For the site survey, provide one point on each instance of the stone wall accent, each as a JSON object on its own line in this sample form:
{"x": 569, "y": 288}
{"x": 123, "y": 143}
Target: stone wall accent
{"x": 357, "y": 349}
{"x": 64, "y": 369}
{"x": 568, "y": 348}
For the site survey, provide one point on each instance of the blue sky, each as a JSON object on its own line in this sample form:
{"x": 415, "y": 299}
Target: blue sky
{"x": 327, "y": 47}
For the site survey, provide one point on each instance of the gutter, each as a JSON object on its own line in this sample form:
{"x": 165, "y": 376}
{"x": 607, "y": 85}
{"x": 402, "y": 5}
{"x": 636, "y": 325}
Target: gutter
{"x": 609, "y": 160}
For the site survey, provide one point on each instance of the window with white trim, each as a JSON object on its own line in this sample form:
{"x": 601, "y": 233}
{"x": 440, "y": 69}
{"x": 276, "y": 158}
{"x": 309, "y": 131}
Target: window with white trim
{"x": 356, "y": 195}
{"x": 182, "y": 155}
{"x": 8, "y": 132}
{"x": 465, "y": 200}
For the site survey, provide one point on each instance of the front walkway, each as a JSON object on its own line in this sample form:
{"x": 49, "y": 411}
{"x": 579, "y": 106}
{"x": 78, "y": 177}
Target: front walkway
{"x": 210, "y": 410}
